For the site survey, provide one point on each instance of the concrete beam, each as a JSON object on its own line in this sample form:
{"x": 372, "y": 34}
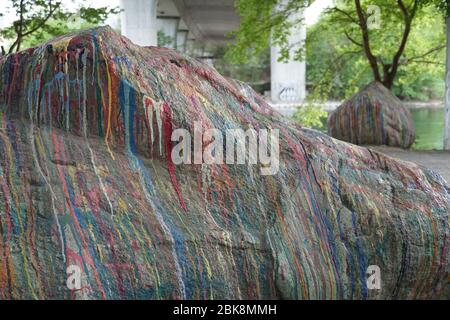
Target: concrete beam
{"x": 208, "y": 20}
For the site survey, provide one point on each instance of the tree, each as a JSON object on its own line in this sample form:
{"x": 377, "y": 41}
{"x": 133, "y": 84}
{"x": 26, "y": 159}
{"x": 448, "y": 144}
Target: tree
{"x": 38, "y": 17}
{"x": 263, "y": 22}
{"x": 403, "y": 13}
{"x": 444, "y": 6}
{"x": 383, "y": 46}
{"x": 338, "y": 67}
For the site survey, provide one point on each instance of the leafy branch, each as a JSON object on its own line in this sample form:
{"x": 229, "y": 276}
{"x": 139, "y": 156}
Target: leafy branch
{"x": 38, "y": 17}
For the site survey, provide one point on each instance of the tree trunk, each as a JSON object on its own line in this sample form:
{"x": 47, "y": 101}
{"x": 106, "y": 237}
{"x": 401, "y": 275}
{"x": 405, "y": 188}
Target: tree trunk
{"x": 447, "y": 91}
{"x": 388, "y": 81}
{"x": 366, "y": 42}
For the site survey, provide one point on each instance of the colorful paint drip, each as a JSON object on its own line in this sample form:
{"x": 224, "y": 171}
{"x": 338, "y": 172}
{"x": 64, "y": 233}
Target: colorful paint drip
{"x": 373, "y": 116}
{"x": 86, "y": 180}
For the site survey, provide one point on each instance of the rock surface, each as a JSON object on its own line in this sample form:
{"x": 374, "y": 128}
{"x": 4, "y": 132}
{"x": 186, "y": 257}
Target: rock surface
{"x": 86, "y": 180}
{"x": 373, "y": 116}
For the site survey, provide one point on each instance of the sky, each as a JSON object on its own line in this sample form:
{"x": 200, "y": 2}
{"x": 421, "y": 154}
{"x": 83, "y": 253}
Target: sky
{"x": 313, "y": 12}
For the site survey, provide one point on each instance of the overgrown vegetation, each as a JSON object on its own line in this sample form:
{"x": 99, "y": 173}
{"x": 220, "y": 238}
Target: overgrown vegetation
{"x": 339, "y": 67}
{"x": 397, "y": 42}
{"x": 254, "y": 71}
{"x": 39, "y": 20}
{"x": 311, "y": 116}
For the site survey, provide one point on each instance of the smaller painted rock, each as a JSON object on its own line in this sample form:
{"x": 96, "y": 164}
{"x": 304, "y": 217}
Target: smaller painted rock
{"x": 373, "y": 116}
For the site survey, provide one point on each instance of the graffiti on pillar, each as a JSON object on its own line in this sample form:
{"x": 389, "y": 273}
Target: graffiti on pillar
{"x": 287, "y": 94}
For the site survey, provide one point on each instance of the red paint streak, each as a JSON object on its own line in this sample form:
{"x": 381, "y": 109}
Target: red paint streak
{"x": 230, "y": 185}
{"x": 73, "y": 258}
{"x": 167, "y": 127}
{"x": 6, "y": 248}
{"x": 13, "y": 80}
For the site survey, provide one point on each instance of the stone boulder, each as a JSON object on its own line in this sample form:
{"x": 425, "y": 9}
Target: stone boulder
{"x": 92, "y": 205}
{"x": 373, "y": 116}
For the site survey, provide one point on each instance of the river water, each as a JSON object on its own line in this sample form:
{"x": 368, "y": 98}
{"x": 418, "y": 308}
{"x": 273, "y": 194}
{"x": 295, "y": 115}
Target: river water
{"x": 429, "y": 123}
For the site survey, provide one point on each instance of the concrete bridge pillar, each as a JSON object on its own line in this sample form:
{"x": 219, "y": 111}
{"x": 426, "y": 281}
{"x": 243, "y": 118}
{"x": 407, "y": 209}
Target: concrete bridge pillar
{"x": 288, "y": 83}
{"x": 169, "y": 27}
{"x": 182, "y": 36}
{"x": 138, "y": 21}
{"x": 447, "y": 92}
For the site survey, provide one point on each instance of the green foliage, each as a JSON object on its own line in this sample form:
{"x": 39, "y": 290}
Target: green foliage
{"x": 338, "y": 67}
{"x": 163, "y": 39}
{"x": 96, "y": 16}
{"x": 443, "y": 6}
{"x": 259, "y": 22}
{"x": 255, "y": 71}
{"x": 38, "y": 20}
{"x": 53, "y": 28}
{"x": 311, "y": 116}
{"x": 338, "y": 63}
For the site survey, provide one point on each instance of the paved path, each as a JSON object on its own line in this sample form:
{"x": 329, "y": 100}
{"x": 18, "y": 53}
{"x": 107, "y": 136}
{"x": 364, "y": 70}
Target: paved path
{"x": 438, "y": 161}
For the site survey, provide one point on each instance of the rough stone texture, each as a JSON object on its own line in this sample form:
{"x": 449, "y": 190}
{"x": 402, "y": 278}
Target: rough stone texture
{"x": 373, "y": 116}
{"x": 436, "y": 160}
{"x": 86, "y": 180}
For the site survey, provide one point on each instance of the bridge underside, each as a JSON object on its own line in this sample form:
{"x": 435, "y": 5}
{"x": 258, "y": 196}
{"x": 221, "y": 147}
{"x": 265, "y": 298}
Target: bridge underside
{"x": 194, "y": 26}
{"x": 209, "y": 20}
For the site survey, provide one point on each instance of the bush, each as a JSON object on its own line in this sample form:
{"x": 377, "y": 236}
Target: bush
{"x": 311, "y": 116}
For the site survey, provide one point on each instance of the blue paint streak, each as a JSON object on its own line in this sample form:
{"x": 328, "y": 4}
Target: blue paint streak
{"x": 362, "y": 259}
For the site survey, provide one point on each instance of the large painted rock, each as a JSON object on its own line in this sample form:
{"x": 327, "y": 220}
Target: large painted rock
{"x": 92, "y": 205}
{"x": 373, "y": 116}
